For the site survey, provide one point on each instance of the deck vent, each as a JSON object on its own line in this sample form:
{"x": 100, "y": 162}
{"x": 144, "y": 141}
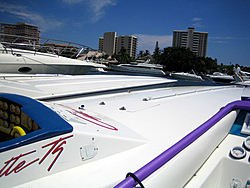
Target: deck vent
{"x": 146, "y": 99}
{"x": 81, "y": 107}
{"x": 122, "y": 108}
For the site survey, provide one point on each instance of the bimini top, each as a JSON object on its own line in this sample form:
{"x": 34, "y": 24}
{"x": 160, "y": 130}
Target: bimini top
{"x": 14, "y": 118}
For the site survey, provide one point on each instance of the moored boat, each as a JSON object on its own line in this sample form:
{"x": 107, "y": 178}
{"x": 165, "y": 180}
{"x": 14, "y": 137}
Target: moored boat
{"x": 34, "y": 59}
{"x": 241, "y": 78}
{"x": 221, "y": 77}
{"x": 186, "y": 76}
{"x": 139, "y": 68}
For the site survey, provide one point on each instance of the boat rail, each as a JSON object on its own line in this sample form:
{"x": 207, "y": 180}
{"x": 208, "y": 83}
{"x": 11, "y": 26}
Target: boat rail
{"x": 51, "y": 46}
{"x": 132, "y": 179}
{"x": 244, "y": 76}
{"x": 241, "y": 78}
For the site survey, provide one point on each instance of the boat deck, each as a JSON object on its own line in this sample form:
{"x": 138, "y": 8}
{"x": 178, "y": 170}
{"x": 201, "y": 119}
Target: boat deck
{"x": 122, "y": 127}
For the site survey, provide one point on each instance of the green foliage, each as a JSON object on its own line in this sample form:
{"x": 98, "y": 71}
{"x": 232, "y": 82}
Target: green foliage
{"x": 225, "y": 69}
{"x": 146, "y": 53}
{"x": 105, "y": 56}
{"x": 143, "y": 54}
{"x": 247, "y": 69}
{"x": 156, "y": 55}
{"x": 122, "y": 56}
{"x": 181, "y": 59}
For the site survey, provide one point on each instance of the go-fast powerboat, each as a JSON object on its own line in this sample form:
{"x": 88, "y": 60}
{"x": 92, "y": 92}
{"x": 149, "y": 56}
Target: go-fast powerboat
{"x": 122, "y": 131}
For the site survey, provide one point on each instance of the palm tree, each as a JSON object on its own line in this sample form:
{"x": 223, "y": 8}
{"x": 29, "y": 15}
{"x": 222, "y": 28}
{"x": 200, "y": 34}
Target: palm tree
{"x": 122, "y": 56}
{"x": 156, "y": 55}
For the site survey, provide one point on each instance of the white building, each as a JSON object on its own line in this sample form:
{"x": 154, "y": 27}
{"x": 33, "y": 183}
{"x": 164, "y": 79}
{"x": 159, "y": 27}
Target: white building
{"x": 110, "y": 43}
{"x": 195, "y": 41}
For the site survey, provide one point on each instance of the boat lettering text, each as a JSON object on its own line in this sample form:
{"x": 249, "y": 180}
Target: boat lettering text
{"x": 54, "y": 150}
{"x": 18, "y": 163}
{"x": 12, "y": 166}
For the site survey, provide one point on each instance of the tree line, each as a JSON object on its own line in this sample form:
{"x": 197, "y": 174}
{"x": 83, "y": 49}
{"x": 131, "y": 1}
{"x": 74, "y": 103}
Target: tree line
{"x": 182, "y": 59}
{"x": 179, "y": 59}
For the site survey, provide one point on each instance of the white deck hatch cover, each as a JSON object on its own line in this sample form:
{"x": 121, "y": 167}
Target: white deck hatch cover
{"x": 88, "y": 152}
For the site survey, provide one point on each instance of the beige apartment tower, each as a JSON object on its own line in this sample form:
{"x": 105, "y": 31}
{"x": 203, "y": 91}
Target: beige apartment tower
{"x": 110, "y": 43}
{"x": 20, "y": 29}
{"x": 195, "y": 41}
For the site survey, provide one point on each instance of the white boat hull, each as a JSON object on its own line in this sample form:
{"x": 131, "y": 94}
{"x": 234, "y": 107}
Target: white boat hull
{"x": 223, "y": 79}
{"x": 186, "y": 76}
{"x": 44, "y": 69}
{"x": 138, "y": 70}
{"x": 29, "y": 62}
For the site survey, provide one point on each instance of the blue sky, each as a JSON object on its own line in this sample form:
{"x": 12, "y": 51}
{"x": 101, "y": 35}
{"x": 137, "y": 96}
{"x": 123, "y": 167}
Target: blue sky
{"x": 84, "y": 21}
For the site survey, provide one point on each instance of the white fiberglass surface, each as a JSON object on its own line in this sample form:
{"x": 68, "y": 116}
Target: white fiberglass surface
{"x": 39, "y": 87}
{"x": 162, "y": 122}
{"x": 220, "y": 169}
{"x": 160, "y": 116}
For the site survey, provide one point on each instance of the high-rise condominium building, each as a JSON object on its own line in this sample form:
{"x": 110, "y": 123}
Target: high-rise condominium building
{"x": 195, "y": 41}
{"x": 21, "y": 29}
{"x": 110, "y": 43}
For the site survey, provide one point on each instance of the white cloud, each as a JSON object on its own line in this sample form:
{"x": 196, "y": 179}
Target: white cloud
{"x": 26, "y": 15}
{"x": 225, "y": 39}
{"x": 97, "y": 7}
{"x": 73, "y": 1}
{"x": 219, "y": 41}
{"x": 196, "y": 19}
{"x": 197, "y": 22}
{"x": 148, "y": 42}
